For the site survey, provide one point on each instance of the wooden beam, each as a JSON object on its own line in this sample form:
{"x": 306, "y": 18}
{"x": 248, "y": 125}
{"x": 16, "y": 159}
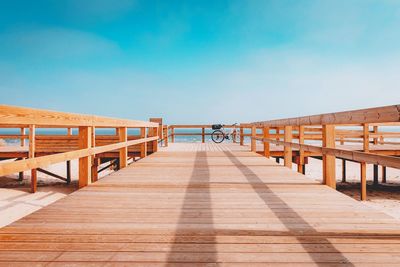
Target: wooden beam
{"x": 32, "y": 147}
{"x": 253, "y": 140}
{"x": 329, "y": 161}
{"x": 46, "y": 118}
{"x": 266, "y": 144}
{"x": 288, "y": 150}
{"x": 370, "y": 115}
{"x": 85, "y": 142}
{"x": 123, "y": 151}
{"x": 203, "y": 136}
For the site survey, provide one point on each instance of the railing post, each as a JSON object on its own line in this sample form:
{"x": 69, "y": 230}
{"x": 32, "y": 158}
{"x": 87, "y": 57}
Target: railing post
{"x": 287, "y": 151}
{"x": 375, "y": 137}
{"x": 241, "y": 136}
{"x": 123, "y": 151}
{"x": 383, "y": 174}
{"x": 329, "y": 161}
{"x": 172, "y": 135}
{"x": 266, "y": 144}
{"x": 166, "y": 135}
{"x": 363, "y": 165}
{"x": 143, "y": 146}
{"x": 32, "y": 148}
{"x": 85, "y": 136}
{"x": 253, "y": 147}
{"x": 343, "y": 170}
{"x": 69, "y": 131}
{"x": 300, "y": 166}
{"x": 22, "y": 132}
{"x": 203, "y": 135}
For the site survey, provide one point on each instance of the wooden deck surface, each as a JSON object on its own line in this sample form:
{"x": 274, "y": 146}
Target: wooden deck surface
{"x": 199, "y": 204}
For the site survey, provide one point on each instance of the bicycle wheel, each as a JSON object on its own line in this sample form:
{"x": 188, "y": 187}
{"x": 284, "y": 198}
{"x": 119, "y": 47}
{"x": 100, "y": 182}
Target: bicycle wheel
{"x": 218, "y": 136}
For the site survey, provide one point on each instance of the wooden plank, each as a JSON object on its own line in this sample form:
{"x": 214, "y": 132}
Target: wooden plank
{"x": 25, "y": 116}
{"x": 370, "y": 115}
{"x": 198, "y": 207}
{"x": 288, "y": 150}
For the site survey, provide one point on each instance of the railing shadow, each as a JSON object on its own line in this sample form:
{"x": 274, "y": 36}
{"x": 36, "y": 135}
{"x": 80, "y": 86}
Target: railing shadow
{"x": 261, "y": 188}
{"x": 200, "y": 169}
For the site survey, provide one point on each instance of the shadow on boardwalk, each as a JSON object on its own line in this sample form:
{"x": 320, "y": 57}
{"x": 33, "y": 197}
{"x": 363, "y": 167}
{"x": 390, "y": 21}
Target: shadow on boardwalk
{"x": 261, "y": 188}
{"x": 200, "y": 170}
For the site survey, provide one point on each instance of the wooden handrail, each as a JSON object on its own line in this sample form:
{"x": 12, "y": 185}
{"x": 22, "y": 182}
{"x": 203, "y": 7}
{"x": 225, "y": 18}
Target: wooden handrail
{"x": 21, "y": 116}
{"x": 388, "y": 114}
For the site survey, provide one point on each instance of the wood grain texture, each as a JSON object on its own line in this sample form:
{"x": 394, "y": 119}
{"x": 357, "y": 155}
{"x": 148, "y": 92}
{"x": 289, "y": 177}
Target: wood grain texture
{"x": 203, "y": 205}
{"x": 12, "y": 115}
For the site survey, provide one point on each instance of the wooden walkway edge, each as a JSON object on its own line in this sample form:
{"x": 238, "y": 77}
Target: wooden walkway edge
{"x": 204, "y": 205}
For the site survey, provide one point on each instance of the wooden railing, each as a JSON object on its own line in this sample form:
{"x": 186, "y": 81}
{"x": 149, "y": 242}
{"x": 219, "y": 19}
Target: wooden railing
{"x": 389, "y": 115}
{"x": 202, "y": 127}
{"x": 84, "y": 146}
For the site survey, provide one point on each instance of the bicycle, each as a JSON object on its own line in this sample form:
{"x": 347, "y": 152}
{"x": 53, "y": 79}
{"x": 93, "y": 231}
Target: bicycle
{"x": 220, "y": 134}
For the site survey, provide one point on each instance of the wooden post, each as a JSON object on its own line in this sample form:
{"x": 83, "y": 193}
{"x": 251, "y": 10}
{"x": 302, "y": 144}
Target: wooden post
{"x": 375, "y": 137}
{"x": 93, "y": 157}
{"x": 343, "y": 170}
{"x": 143, "y": 146}
{"x": 69, "y": 131}
{"x": 363, "y": 165}
{"x": 363, "y": 168}
{"x": 234, "y": 135}
{"x": 22, "y": 132}
{"x": 241, "y": 136}
{"x": 300, "y": 166}
{"x": 328, "y": 161}
{"x": 172, "y": 134}
{"x": 253, "y": 139}
{"x": 376, "y": 181}
{"x": 85, "y": 136}
{"x": 383, "y": 174}
{"x": 366, "y": 137}
{"x": 68, "y": 172}
{"x": 287, "y": 151}
{"x": 267, "y": 152}
{"x": 156, "y": 131}
{"x": 166, "y": 136}
{"x": 203, "y": 135}
{"x": 123, "y": 151}
{"x": 32, "y": 147}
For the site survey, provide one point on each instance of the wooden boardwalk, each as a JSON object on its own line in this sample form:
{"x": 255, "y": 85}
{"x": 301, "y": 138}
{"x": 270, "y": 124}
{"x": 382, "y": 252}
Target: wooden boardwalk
{"x": 199, "y": 204}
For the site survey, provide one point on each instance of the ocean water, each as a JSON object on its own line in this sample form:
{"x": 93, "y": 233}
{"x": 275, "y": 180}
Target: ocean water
{"x": 184, "y": 138}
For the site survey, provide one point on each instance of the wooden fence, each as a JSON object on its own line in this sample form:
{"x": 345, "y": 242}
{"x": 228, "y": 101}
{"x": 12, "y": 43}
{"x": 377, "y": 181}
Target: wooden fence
{"x": 326, "y": 123}
{"x": 84, "y": 146}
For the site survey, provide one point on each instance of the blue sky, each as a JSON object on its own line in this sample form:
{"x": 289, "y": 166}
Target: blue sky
{"x": 200, "y": 61}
